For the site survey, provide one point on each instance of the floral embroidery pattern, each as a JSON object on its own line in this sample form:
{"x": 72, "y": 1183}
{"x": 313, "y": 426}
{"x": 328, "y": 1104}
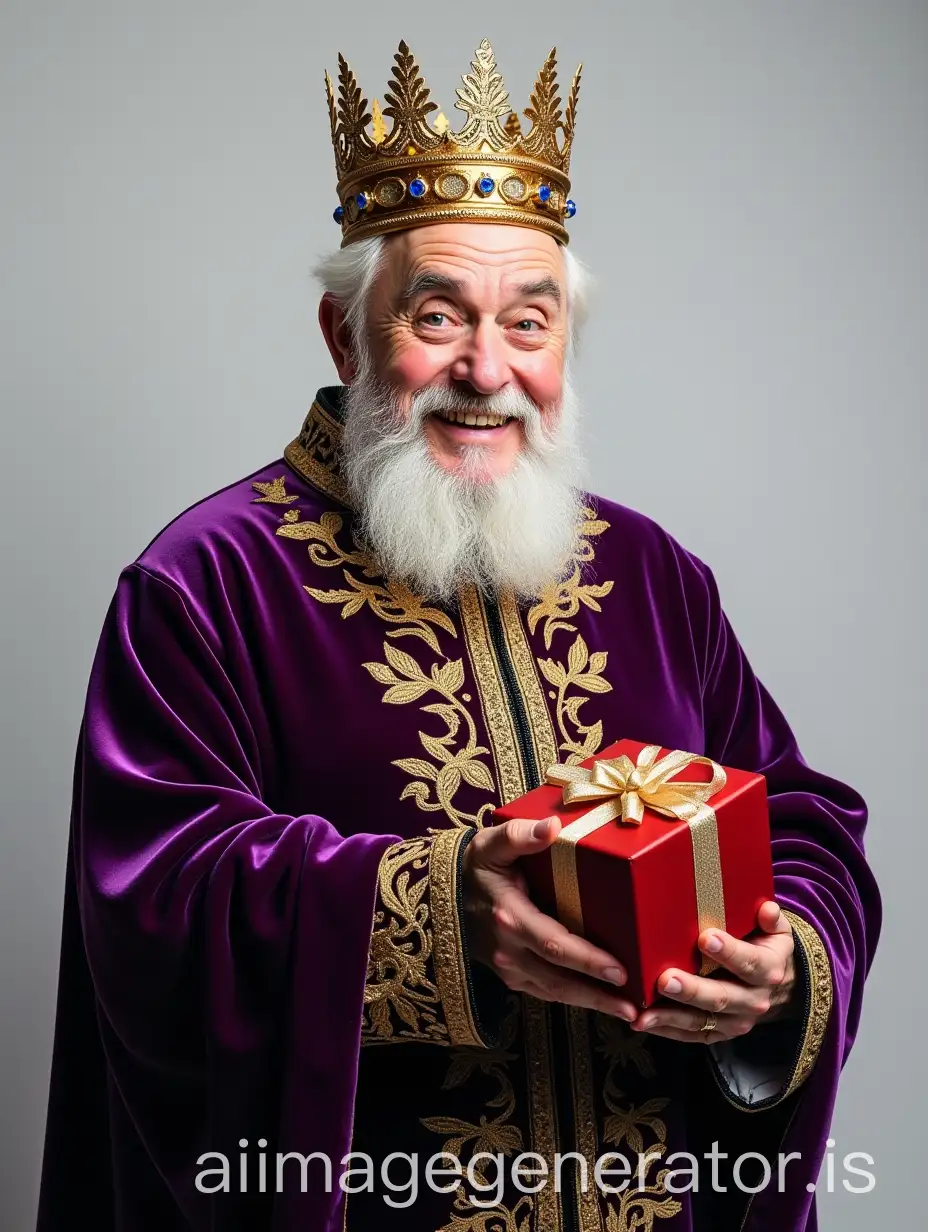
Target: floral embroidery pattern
{"x": 439, "y": 778}
{"x": 638, "y": 1208}
{"x": 560, "y": 602}
{"x": 273, "y": 493}
{"x": 582, "y": 671}
{"x": 391, "y": 601}
{"x": 494, "y": 1135}
{"x": 454, "y": 754}
{"x": 397, "y": 987}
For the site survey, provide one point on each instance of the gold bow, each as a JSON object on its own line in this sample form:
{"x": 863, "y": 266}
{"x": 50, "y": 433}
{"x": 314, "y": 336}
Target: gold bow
{"x": 625, "y": 789}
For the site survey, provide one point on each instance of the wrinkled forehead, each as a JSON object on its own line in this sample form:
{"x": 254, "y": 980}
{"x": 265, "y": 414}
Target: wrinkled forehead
{"x": 479, "y": 262}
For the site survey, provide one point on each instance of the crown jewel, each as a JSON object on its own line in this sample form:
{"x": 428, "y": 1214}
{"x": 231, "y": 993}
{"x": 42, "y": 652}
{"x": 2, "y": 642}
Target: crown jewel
{"x": 420, "y": 171}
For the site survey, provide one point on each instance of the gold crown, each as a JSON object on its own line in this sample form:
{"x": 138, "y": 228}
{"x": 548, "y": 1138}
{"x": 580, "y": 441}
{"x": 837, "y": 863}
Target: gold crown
{"x": 421, "y": 172}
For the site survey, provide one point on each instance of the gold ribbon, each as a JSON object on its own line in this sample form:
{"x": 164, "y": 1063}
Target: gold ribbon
{"x": 624, "y": 788}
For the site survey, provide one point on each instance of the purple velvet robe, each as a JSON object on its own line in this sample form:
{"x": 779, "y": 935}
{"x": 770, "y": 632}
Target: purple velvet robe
{"x": 282, "y": 758}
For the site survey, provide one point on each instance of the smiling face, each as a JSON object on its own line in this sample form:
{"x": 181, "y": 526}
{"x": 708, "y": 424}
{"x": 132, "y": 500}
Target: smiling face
{"x": 458, "y": 445}
{"x": 479, "y": 311}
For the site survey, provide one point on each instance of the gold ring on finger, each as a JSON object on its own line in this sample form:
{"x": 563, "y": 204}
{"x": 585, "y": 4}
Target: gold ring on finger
{"x": 709, "y": 1024}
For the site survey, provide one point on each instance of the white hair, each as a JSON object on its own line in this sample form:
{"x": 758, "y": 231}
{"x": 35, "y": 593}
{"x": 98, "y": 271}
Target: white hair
{"x": 348, "y": 274}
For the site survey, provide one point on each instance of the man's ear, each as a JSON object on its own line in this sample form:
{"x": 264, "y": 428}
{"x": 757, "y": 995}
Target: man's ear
{"x": 337, "y": 337}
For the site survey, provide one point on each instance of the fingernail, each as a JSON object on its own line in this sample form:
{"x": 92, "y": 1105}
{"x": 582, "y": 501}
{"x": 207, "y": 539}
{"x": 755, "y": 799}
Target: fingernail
{"x": 672, "y": 987}
{"x": 625, "y": 1015}
{"x": 714, "y": 944}
{"x": 540, "y": 829}
{"x": 615, "y": 975}
{"x": 645, "y": 1023}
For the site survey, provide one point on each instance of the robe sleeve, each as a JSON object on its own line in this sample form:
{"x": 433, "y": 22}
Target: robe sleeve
{"x": 238, "y": 954}
{"x": 822, "y": 883}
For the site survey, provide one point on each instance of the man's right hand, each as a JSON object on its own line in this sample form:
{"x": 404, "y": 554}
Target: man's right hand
{"x": 528, "y": 950}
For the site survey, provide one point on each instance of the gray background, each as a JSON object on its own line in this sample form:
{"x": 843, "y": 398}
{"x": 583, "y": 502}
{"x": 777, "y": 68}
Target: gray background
{"x": 752, "y": 191}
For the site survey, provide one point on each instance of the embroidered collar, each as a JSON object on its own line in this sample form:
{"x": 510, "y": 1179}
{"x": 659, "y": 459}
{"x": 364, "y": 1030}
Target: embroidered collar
{"x": 314, "y": 453}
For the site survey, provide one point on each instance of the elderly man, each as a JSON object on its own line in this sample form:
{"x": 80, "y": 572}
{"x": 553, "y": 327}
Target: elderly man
{"x": 302, "y": 983}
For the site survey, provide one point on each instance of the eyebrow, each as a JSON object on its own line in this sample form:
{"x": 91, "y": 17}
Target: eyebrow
{"x": 431, "y": 280}
{"x": 428, "y": 280}
{"x": 543, "y": 286}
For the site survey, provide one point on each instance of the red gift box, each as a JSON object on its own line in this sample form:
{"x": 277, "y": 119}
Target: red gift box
{"x": 692, "y": 851}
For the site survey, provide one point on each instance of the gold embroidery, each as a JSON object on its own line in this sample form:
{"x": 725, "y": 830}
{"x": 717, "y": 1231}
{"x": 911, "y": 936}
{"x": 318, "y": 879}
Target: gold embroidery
{"x": 314, "y": 453}
{"x": 535, "y": 1013}
{"x": 623, "y": 1047}
{"x": 536, "y": 1019}
{"x": 543, "y": 737}
{"x": 406, "y": 682}
{"x": 495, "y": 1135}
{"x": 560, "y": 602}
{"x": 417, "y": 934}
{"x": 820, "y": 1000}
{"x": 391, "y": 601}
{"x": 581, "y": 1070}
{"x": 583, "y": 671}
{"x": 397, "y": 985}
{"x": 496, "y": 710}
{"x": 274, "y": 493}
{"x": 448, "y": 944}
{"x": 499, "y": 1219}
{"x": 638, "y": 1208}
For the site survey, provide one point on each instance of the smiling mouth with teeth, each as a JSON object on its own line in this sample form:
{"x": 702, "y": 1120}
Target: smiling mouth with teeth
{"x": 471, "y": 419}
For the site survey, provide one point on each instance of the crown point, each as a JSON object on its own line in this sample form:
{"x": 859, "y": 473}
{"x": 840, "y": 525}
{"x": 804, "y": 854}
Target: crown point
{"x": 441, "y": 124}
{"x": 378, "y": 128}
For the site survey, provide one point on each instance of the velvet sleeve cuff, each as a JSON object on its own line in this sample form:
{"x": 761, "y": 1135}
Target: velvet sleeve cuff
{"x": 760, "y": 1070}
{"x": 421, "y": 985}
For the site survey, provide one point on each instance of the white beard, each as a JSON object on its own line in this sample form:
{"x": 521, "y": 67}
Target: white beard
{"x": 434, "y": 530}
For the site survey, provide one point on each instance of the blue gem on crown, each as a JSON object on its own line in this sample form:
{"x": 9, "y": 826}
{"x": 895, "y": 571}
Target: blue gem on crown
{"x": 485, "y": 185}
{"x": 338, "y": 213}
{"x": 570, "y": 208}
{"x": 361, "y": 201}
{"x": 418, "y": 188}
{"x": 544, "y": 194}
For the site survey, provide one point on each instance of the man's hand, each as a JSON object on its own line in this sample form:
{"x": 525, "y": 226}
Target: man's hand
{"x": 528, "y": 950}
{"x": 764, "y": 988}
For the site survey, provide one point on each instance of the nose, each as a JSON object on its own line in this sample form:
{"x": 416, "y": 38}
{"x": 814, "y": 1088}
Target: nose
{"x": 483, "y": 362}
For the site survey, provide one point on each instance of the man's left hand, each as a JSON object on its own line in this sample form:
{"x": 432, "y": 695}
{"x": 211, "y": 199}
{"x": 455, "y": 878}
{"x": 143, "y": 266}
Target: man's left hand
{"x": 764, "y": 986}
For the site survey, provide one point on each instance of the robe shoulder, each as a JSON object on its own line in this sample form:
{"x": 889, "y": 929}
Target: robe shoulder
{"x": 663, "y": 584}
{"x": 229, "y": 523}
{"x": 634, "y": 534}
